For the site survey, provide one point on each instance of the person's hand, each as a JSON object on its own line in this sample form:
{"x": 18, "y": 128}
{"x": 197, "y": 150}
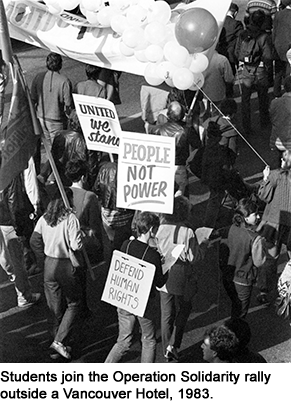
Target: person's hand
{"x": 266, "y": 173}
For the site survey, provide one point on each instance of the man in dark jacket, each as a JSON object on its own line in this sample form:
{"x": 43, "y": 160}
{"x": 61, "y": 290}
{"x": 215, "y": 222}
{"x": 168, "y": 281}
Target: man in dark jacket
{"x": 281, "y": 41}
{"x": 256, "y": 65}
{"x": 227, "y": 41}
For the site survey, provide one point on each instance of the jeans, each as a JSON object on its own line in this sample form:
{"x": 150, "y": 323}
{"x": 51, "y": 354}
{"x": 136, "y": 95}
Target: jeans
{"x": 280, "y": 73}
{"x": 51, "y": 129}
{"x": 175, "y": 312}
{"x": 12, "y": 261}
{"x": 243, "y": 300}
{"x": 63, "y": 292}
{"x": 126, "y": 322}
{"x": 254, "y": 78}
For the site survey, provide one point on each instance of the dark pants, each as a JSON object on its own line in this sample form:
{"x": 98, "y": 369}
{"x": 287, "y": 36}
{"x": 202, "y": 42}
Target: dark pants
{"x": 243, "y": 300}
{"x": 175, "y": 312}
{"x": 63, "y": 291}
{"x": 213, "y": 206}
{"x": 280, "y": 74}
{"x": 254, "y": 78}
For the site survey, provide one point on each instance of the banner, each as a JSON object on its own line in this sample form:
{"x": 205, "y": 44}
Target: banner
{"x": 146, "y": 171}
{"x": 128, "y": 283}
{"x": 20, "y": 140}
{"x": 99, "y": 122}
{"x": 71, "y": 35}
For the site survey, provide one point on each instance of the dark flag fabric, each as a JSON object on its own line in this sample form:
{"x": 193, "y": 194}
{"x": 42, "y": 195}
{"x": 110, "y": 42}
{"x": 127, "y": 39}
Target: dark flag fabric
{"x": 20, "y": 139}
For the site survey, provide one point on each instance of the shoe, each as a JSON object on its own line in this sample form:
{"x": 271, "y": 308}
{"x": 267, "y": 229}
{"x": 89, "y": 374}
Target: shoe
{"x": 35, "y": 297}
{"x": 262, "y": 299}
{"x": 55, "y": 355}
{"x": 61, "y": 349}
{"x": 171, "y": 353}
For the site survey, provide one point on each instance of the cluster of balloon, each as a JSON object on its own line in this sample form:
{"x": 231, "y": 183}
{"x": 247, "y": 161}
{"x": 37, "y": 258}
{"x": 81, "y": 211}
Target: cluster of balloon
{"x": 172, "y": 44}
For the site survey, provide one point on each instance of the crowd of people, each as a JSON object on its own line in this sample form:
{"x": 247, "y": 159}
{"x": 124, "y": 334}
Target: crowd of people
{"x": 58, "y": 231}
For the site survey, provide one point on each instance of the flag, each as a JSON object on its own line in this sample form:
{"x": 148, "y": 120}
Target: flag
{"x": 20, "y": 140}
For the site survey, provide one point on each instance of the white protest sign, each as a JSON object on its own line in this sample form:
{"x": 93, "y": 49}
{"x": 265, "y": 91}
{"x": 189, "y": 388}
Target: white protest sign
{"x": 146, "y": 171}
{"x": 99, "y": 122}
{"x": 128, "y": 283}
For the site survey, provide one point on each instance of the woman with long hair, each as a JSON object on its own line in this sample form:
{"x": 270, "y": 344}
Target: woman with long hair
{"x": 56, "y": 235}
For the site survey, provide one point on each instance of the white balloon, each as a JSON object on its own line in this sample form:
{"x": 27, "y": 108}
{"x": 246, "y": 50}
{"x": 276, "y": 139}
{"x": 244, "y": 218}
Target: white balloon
{"x": 92, "y": 17}
{"x": 151, "y": 76}
{"x": 132, "y": 36}
{"x": 165, "y": 69}
{"x": 147, "y": 4}
{"x": 136, "y": 15}
{"x": 176, "y": 54}
{"x": 155, "y": 32}
{"x": 92, "y": 5}
{"x": 160, "y": 11}
{"x": 68, "y": 4}
{"x": 183, "y": 78}
{"x": 125, "y": 50}
{"x": 154, "y": 53}
{"x": 198, "y": 80}
{"x": 140, "y": 56}
{"x": 199, "y": 62}
{"x": 118, "y": 23}
{"x": 54, "y": 9}
{"x": 105, "y": 15}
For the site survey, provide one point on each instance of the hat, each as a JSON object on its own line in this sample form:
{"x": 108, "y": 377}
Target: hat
{"x": 286, "y": 3}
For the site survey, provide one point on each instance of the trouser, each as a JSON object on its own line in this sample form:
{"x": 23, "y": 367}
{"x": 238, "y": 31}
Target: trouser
{"x": 117, "y": 235}
{"x": 126, "y": 321}
{"x": 63, "y": 291}
{"x": 12, "y": 261}
{"x": 175, "y": 312}
{"x": 181, "y": 180}
{"x": 213, "y": 206}
{"x": 280, "y": 73}
{"x": 243, "y": 299}
{"x": 254, "y": 78}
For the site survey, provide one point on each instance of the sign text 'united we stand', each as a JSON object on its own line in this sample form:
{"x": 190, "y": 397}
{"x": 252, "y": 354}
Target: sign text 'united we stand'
{"x": 146, "y": 171}
{"x": 99, "y": 122}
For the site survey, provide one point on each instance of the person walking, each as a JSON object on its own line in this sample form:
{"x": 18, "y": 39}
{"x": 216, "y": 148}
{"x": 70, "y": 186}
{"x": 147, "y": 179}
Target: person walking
{"x": 147, "y": 226}
{"x": 55, "y": 238}
{"x": 254, "y": 51}
{"x": 181, "y": 285}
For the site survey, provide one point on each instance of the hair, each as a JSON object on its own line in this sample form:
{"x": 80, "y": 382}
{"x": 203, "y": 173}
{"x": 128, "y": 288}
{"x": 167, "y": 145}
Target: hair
{"x": 92, "y": 71}
{"x": 74, "y": 122}
{"x": 145, "y": 221}
{"x": 244, "y": 208}
{"x": 234, "y": 8}
{"x": 223, "y": 341}
{"x": 287, "y": 84}
{"x": 56, "y": 210}
{"x": 54, "y": 62}
{"x": 175, "y": 111}
{"x": 76, "y": 169}
{"x": 241, "y": 329}
{"x": 180, "y": 211}
{"x": 228, "y": 107}
{"x": 257, "y": 18}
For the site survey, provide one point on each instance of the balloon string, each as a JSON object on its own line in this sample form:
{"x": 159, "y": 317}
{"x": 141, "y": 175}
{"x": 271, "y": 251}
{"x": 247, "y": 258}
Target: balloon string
{"x": 229, "y": 122}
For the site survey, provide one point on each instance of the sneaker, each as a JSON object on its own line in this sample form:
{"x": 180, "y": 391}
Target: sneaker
{"x": 61, "y": 349}
{"x": 55, "y": 355}
{"x": 262, "y": 299}
{"x": 35, "y": 297}
{"x": 171, "y": 353}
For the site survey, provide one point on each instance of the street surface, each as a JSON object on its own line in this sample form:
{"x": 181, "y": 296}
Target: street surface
{"x": 23, "y": 333}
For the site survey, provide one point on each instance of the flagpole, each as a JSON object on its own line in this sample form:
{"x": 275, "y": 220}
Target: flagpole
{"x": 7, "y": 55}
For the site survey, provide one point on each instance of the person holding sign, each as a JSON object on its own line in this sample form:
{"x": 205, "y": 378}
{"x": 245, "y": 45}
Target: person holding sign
{"x": 147, "y": 225}
{"x": 181, "y": 285}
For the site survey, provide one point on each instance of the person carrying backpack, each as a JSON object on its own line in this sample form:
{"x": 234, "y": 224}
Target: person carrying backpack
{"x": 254, "y": 52}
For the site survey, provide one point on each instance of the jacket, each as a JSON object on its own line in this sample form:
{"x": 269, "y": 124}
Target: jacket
{"x": 15, "y": 207}
{"x": 246, "y": 254}
{"x": 262, "y": 51}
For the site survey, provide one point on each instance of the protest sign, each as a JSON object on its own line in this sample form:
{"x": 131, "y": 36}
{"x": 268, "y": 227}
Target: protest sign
{"x": 146, "y": 171}
{"x": 128, "y": 283}
{"x": 99, "y": 122}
